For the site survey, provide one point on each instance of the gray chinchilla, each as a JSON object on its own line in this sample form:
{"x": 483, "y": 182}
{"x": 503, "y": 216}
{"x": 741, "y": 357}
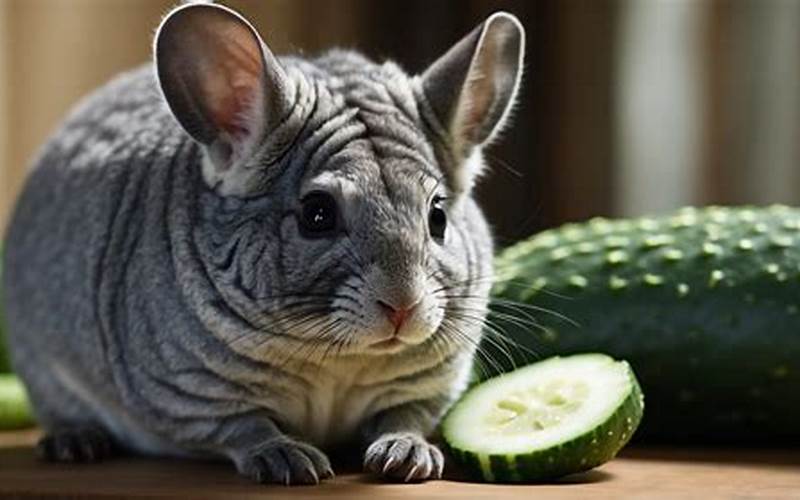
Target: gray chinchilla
{"x": 244, "y": 256}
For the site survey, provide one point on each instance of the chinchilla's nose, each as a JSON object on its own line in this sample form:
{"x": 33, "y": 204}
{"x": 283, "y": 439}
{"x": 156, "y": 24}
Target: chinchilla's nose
{"x": 397, "y": 278}
{"x": 398, "y": 314}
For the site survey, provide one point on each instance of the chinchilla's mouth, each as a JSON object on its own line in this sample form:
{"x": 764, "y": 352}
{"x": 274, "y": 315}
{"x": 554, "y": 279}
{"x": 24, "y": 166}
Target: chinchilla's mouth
{"x": 390, "y": 343}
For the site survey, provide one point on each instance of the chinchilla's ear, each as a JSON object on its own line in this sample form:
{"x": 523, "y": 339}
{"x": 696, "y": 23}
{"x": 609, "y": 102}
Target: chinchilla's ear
{"x": 224, "y": 86}
{"x": 472, "y": 87}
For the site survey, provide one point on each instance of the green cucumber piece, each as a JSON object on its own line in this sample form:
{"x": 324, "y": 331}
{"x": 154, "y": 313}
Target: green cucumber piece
{"x": 15, "y": 410}
{"x": 546, "y": 420}
{"x": 704, "y": 303}
{"x": 5, "y": 365}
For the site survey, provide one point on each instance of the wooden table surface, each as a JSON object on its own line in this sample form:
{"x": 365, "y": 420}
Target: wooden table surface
{"x": 638, "y": 473}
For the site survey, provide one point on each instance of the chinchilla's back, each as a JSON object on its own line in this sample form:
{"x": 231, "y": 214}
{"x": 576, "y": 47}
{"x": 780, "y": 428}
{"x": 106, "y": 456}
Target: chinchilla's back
{"x": 96, "y": 188}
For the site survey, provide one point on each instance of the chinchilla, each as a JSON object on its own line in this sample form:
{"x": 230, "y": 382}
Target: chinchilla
{"x": 258, "y": 258}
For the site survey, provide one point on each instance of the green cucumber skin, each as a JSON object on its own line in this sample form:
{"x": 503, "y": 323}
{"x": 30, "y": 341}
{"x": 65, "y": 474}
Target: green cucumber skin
{"x": 5, "y": 365}
{"x": 577, "y": 455}
{"x": 718, "y": 355}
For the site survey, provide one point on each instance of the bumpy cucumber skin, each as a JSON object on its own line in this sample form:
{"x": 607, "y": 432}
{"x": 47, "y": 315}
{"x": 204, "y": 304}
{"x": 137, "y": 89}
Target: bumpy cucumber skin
{"x": 704, "y": 304}
{"x": 579, "y": 454}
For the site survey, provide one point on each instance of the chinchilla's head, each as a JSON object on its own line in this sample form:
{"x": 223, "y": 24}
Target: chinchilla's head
{"x": 337, "y": 215}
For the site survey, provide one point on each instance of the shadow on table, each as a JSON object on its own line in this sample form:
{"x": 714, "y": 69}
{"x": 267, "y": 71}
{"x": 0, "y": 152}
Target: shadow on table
{"x": 588, "y": 477}
{"x": 349, "y": 464}
{"x": 592, "y": 476}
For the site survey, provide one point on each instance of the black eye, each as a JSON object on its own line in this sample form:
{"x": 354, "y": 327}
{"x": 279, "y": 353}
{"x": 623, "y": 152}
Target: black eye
{"x": 318, "y": 215}
{"x": 437, "y": 220}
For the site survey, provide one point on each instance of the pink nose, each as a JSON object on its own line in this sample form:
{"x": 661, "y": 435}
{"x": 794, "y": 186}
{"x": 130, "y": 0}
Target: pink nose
{"x": 396, "y": 316}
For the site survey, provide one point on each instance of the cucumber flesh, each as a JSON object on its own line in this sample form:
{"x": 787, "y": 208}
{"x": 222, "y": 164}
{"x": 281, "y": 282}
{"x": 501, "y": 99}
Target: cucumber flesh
{"x": 546, "y": 420}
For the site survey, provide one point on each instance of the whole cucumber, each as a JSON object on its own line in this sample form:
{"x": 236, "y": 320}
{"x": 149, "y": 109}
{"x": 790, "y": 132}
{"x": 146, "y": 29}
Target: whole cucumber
{"x": 704, "y": 304}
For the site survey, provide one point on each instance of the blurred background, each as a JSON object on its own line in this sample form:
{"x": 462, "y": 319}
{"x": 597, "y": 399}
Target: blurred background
{"x": 628, "y": 106}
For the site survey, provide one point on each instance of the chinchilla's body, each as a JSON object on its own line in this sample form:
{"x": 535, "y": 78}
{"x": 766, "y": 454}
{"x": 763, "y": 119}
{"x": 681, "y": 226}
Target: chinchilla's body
{"x": 258, "y": 258}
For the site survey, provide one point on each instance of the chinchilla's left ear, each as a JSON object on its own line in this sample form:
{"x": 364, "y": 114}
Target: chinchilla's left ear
{"x": 472, "y": 87}
{"x": 224, "y": 86}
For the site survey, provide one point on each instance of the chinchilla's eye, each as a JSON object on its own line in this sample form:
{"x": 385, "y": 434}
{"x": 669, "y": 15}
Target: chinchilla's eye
{"x": 318, "y": 215}
{"x": 437, "y": 220}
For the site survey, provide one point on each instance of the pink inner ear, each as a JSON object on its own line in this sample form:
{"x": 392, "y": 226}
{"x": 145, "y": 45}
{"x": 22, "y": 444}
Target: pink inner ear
{"x": 480, "y": 95}
{"x": 233, "y": 77}
{"x": 479, "y": 91}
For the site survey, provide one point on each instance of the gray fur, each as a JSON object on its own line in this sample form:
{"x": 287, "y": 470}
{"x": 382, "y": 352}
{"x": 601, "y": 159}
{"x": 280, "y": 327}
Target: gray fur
{"x": 149, "y": 303}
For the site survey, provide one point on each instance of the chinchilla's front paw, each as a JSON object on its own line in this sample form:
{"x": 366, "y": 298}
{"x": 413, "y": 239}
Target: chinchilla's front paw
{"x": 285, "y": 461}
{"x": 75, "y": 444}
{"x": 404, "y": 456}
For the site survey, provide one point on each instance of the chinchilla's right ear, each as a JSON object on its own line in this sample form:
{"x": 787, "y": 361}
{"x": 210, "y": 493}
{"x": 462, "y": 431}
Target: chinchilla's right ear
{"x": 224, "y": 86}
{"x": 472, "y": 88}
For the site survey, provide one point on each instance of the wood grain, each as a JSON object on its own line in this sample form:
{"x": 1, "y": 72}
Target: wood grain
{"x": 638, "y": 473}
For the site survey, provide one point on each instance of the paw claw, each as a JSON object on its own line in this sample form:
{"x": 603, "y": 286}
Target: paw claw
{"x": 404, "y": 457}
{"x": 285, "y": 461}
{"x": 388, "y": 464}
{"x": 411, "y": 473}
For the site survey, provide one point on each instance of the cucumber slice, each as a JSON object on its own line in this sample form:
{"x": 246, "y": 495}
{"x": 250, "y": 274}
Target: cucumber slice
{"x": 546, "y": 420}
{"x": 15, "y": 410}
